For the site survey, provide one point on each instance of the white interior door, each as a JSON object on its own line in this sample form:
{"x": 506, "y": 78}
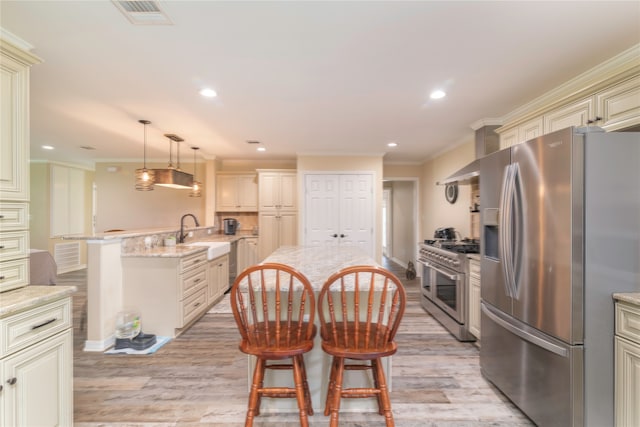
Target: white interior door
{"x": 339, "y": 209}
{"x": 321, "y": 209}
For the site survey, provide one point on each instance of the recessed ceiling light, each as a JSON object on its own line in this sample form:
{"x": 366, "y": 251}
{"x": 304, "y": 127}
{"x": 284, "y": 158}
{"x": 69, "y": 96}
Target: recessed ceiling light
{"x": 392, "y": 144}
{"x": 209, "y": 93}
{"x": 437, "y": 94}
{"x": 47, "y": 147}
{"x": 261, "y": 149}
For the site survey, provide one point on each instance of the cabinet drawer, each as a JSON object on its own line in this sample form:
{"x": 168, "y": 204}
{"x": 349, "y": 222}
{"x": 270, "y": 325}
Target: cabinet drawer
{"x": 13, "y": 245}
{"x": 28, "y": 327}
{"x": 196, "y": 279}
{"x": 193, "y": 306}
{"x": 193, "y": 261}
{"x": 13, "y": 216}
{"x": 14, "y": 274}
{"x": 628, "y": 321}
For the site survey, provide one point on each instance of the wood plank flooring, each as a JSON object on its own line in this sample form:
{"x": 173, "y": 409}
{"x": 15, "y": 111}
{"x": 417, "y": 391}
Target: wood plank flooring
{"x": 200, "y": 379}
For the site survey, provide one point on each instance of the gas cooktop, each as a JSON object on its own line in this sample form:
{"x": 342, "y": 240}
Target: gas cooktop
{"x": 466, "y": 246}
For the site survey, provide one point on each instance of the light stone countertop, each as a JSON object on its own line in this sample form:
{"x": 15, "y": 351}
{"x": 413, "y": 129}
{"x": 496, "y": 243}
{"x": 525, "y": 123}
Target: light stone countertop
{"x": 318, "y": 263}
{"x": 20, "y": 299}
{"x": 183, "y": 249}
{"x": 628, "y": 297}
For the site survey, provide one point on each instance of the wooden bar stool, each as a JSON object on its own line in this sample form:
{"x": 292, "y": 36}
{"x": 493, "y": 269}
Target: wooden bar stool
{"x": 274, "y": 308}
{"x": 360, "y": 309}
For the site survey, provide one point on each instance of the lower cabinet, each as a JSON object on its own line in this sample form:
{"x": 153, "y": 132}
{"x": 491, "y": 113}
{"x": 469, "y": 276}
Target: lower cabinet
{"x": 474, "y": 297}
{"x": 169, "y": 293}
{"x": 218, "y": 278}
{"x": 277, "y": 229}
{"x": 36, "y": 367}
{"x": 247, "y": 253}
{"x": 627, "y": 365}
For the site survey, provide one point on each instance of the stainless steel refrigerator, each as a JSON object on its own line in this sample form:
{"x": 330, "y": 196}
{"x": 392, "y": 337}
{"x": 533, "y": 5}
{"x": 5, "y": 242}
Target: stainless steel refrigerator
{"x": 560, "y": 233}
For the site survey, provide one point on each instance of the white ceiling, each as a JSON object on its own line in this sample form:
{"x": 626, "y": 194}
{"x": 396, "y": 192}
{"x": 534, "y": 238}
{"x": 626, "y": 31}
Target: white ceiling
{"x": 301, "y": 77}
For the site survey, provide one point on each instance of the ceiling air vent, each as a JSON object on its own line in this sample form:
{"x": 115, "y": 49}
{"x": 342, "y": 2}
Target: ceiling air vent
{"x": 143, "y": 12}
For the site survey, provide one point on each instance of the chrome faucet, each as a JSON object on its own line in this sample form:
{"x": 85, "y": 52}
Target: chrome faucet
{"x": 182, "y": 235}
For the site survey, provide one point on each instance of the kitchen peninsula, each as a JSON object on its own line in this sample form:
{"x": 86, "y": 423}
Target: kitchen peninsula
{"x": 317, "y": 264}
{"x": 105, "y": 252}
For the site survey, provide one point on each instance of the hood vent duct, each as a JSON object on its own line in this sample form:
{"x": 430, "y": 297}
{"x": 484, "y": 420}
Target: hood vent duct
{"x": 173, "y": 177}
{"x": 486, "y": 142}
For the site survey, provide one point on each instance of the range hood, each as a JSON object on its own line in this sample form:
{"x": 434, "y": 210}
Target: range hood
{"x": 464, "y": 175}
{"x": 486, "y": 142}
{"x": 173, "y": 178}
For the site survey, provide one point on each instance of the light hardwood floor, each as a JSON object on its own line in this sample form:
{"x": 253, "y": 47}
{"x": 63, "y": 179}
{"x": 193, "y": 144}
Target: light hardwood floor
{"x": 200, "y": 379}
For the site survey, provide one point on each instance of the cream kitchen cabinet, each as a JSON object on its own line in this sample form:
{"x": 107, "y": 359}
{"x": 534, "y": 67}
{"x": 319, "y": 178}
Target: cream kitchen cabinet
{"x": 170, "y": 293}
{"x": 236, "y": 193}
{"x": 15, "y": 66}
{"x": 627, "y": 365}
{"x": 474, "y": 297}
{"x": 614, "y": 106}
{"x": 276, "y": 229}
{"x": 277, "y": 190}
{"x": 36, "y": 364}
{"x": 247, "y": 252}
{"x": 218, "y": 281}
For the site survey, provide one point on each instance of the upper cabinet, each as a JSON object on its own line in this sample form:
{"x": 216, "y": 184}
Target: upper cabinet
{"x": 278, "y": 190}
{"x": 608, "y": 97}
{"x": 14, "y": 125}
{"x": 14, "y": 165}
{"x": 236, "y": 192}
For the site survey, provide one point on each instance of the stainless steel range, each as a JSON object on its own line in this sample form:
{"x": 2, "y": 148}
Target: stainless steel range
{"x": 445, "y": 290}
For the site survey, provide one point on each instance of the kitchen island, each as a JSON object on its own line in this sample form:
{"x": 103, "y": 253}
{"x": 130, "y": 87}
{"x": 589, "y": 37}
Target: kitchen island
{"x": 317, "y": 264}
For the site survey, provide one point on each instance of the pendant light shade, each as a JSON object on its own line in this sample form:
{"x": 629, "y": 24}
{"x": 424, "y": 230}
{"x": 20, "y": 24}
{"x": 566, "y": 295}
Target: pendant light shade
{"x": 145, "y": 177}
{"x": 196, "y": 186}
{"x": 171, "y": 176}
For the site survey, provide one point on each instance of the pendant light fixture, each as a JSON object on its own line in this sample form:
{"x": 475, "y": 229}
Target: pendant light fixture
{"x": 196, "y": 187}
{"x": 145, "y": 177}
{"x": 173, "y": 177}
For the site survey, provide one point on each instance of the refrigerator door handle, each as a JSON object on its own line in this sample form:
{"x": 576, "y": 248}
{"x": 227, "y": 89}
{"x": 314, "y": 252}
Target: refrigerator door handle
{"x": 519, "y": 219}
{"x": 505, "y": 239}
{"x": 527, "y": 336}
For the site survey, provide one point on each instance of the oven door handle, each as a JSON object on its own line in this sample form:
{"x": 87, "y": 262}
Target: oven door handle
{"x": 450, "y": 276}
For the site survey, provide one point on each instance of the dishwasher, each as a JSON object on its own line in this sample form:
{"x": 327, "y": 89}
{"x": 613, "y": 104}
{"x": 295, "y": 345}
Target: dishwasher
{"x": 233, "y": 262}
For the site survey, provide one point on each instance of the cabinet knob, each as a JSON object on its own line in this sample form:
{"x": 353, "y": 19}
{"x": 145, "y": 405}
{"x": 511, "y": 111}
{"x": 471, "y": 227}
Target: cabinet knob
{"x": 334, "y": 235}
{"x": 12, "y": 381}
{"x": 343, "y": 235}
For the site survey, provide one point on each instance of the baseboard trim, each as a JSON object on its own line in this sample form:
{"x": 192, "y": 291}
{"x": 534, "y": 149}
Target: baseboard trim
{"x": 103, "y": 345}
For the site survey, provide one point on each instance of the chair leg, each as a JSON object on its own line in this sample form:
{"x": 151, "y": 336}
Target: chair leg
{"x": 376, "y": 384}
{"x": 254, "y": 396}
{"x": 300, "y": 392}
{"x": 337, "y": 392}
{"x": 307, "y": 393}
{"x": 384, "y": 394}
{"x": 331, "y": 386}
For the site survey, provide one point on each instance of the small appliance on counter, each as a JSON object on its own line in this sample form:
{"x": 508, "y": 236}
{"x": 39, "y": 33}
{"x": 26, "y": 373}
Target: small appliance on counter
{"x": 129, "y": 332}
{"x": 231, "y": 225}
{"x": 446, "y": 233}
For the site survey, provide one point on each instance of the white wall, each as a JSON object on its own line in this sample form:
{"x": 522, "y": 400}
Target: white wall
{"x": 435, "y": 210}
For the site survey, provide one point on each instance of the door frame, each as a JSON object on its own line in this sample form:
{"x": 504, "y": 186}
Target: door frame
{"x": 416, "y": 217}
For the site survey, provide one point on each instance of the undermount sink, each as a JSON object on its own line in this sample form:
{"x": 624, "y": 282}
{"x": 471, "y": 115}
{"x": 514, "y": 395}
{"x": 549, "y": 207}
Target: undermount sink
{"x": 215, "y": 250}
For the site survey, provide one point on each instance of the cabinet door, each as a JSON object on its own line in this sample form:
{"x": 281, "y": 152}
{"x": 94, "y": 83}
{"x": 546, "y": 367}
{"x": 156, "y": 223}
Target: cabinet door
{"x": 251, "y": 251}
{"x": 269, "y": 191}
{"x": 509, "y": 138}
{"x": 627, "y": 382}
{"x": 531, "y": 129}
{"x": 288, "y": 225}
{"x": 247, "y": 193}
{"x": 576, "y": 114}
{"x": 226, "y": 193}
{"x": 474, "y": 306}
{"x": 269, "y": 233}
{"x": 288, "y": 191}
{"x": 14, "y": 130}
{"x": 223, "y": 274}
{"x": 619, "y": 106}
{"x": 42, "y": 393}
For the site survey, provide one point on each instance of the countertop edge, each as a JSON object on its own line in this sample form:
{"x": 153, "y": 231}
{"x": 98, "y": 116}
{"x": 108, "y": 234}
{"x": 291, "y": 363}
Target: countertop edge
{"x": 29, "y": 296}
{"x": 628, "y": 297}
